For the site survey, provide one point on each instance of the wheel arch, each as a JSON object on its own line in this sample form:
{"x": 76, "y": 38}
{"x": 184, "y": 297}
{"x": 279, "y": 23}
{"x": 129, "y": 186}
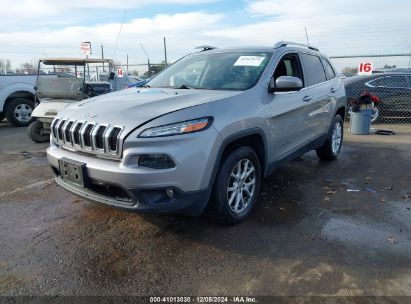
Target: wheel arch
{"x": 253, "y": 138}
{"x": 341, "y": 111}
{"x": 19, "y": 94}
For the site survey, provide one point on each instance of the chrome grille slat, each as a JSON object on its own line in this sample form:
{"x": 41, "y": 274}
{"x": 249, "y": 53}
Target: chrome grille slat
{"x": 53, "y": 128}
{"x": 113, "y": 139}
{"x": 91, "y": 137}
{"x": 99, "y": 137}
{"x": 60, "y": 130}
{"x": 67, "y": 127}
{"x": 76, "y": 133}
{"x": 87, "y": 136}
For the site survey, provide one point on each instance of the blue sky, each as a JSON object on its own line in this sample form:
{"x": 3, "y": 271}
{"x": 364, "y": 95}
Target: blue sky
{"x": 30, "y": 29}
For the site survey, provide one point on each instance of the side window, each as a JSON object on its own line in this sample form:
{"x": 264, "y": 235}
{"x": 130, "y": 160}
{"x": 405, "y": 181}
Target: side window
{"x": 329, "y": 71}
{"x": 289, "y": 65}
{"x": 393, "y": 82}
{"x": 313, "y": 69}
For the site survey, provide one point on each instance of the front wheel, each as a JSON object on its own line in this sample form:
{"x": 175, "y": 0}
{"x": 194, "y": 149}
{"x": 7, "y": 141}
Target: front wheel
{"x": 37, "y": 133}
{"x": 18, "y": 112}
{"x": 236, "y": 187}
{"x": 332, "y": 146}
{"x": 2, "y": 116}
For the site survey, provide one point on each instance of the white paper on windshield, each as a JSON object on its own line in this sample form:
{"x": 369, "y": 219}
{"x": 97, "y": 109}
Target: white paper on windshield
{"x": 249, "y": 60}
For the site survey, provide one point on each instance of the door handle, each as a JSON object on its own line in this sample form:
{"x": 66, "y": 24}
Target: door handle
{"x": 333, "y": 90}
{"x": 307, "y": 98}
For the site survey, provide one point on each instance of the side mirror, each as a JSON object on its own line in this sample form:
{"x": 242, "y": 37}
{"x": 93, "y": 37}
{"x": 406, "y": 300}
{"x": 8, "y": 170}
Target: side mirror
{"x": 111, "y": 77}
{"x": 285, "y": 84}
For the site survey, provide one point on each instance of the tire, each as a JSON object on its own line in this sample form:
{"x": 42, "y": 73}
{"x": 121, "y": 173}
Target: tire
{"x": 2, "y": 116}
{"x": 35, "y": 130}
{"x": 219, "y": 209}
{"x": 377, "y": 115}
{"x": 18, "y": 112}
{"x": 332, "y": 146}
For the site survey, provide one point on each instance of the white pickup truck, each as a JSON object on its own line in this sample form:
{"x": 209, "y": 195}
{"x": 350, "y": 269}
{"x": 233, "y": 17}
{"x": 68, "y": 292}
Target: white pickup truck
{"x": 17, "y": 98}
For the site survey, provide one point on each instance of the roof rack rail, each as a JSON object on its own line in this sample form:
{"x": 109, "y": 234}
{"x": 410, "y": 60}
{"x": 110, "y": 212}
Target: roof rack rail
{"x": 285, "y": 43}
{"x": 205, "y": 48}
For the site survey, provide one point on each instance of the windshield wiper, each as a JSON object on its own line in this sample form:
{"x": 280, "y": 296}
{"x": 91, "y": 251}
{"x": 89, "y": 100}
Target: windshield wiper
{"x": 185, "y": 86}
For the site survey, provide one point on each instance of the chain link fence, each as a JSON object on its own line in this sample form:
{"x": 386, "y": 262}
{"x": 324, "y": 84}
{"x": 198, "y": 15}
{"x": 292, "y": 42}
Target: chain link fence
{"x": 389, "y": 82}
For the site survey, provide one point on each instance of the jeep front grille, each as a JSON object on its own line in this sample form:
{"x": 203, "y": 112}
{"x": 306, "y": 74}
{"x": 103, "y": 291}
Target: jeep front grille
{"x": 90, "y": 137}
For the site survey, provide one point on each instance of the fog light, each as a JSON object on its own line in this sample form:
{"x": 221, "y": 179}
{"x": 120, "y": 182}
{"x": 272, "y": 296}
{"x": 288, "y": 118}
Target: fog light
{"x": 156, "y": 161}
{"x": 170, "y": 193}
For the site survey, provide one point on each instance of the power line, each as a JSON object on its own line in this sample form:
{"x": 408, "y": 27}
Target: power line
{"x": 119, "y": 32}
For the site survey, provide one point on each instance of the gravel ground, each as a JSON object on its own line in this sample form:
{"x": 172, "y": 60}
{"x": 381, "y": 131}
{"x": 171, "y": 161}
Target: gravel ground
{"x": 308, "y": 234}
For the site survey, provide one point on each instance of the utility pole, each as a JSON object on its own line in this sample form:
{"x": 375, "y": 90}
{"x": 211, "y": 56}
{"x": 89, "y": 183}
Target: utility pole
{"x": 127, "y": 65}
{"x": 102, "y": 56}
{"x": 165, "y": 52}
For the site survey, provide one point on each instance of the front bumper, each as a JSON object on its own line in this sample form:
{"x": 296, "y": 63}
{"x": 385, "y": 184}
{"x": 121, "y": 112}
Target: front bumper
{"x": 124, "y": 184}
{"x": 144, "y": 201}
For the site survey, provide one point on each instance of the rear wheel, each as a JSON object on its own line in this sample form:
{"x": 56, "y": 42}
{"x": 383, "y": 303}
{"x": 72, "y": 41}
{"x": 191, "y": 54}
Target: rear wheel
{"x": 18, "y": 112}
{"x": 37, "y": 133}
{"x": 376, "y": 115}
{"x": 236, "y": 187}
{"x": 332, "y": 146}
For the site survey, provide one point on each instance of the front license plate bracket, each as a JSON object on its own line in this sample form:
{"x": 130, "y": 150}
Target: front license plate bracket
{"x": 73, "y": 171}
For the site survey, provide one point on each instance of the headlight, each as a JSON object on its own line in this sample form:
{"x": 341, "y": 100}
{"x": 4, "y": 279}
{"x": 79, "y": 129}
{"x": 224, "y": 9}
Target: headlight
{"x": 183, "y": 127}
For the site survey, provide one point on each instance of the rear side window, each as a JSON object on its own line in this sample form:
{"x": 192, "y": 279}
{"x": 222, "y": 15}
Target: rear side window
{"x": 391, "y": 82}
{"x": 313, "y": 69}
{"x": 329, "y": 71}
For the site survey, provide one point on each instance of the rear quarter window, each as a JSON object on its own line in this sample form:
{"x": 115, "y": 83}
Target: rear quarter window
{"x": 313, "y": 69}
{"x": 329, "y": 71}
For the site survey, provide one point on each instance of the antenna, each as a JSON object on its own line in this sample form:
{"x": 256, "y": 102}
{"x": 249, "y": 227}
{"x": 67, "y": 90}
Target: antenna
{"x": 306, "y": 35}
{"x": 119, "y": 32}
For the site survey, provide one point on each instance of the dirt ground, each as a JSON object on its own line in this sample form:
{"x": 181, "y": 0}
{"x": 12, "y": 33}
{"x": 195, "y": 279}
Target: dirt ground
{"x": 340, "y": 228}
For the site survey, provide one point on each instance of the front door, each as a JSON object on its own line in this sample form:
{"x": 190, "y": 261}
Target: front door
{"x": 287, "y": 114}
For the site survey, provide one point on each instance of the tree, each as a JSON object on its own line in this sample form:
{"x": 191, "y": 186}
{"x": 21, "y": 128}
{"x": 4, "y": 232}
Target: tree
{"x": 347, "y": 71}
{"x": 5, "y": 66}
{"x": 154, "y": 69}
{"x": 28, "y": 68}
{"x": 389, "y": 66}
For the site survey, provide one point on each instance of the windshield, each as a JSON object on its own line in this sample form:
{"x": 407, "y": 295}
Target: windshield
{"x": 214, "y": 71}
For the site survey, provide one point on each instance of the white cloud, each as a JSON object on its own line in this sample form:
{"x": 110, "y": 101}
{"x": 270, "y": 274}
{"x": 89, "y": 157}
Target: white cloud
{"x": 183, "y": 32}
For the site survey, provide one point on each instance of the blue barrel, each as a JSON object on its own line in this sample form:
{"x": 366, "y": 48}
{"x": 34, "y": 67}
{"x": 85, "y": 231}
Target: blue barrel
{"x": 360, "y": 122}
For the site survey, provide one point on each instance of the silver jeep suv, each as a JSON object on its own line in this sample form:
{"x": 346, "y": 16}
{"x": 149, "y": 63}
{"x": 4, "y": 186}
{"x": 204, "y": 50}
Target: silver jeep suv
{"x": 202, "y": 134}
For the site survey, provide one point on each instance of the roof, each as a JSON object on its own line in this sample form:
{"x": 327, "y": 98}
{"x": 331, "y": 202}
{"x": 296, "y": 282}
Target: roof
{"x": 263, "y": 48}
{"x": 72, "y": 61}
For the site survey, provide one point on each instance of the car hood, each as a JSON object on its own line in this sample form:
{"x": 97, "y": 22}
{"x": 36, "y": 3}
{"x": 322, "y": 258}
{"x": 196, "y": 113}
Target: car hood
{"x": 133, "y": 107}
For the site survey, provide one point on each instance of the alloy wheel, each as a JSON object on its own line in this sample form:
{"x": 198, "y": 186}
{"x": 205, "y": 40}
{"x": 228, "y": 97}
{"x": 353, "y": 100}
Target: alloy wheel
{"x": 241, "y": 185}
{"x": 22, "y": 112}
{"x": 336, "y": 138}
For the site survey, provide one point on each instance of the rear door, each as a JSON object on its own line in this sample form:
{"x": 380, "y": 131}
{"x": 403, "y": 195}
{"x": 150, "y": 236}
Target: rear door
{"x": 318, "y": 97}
